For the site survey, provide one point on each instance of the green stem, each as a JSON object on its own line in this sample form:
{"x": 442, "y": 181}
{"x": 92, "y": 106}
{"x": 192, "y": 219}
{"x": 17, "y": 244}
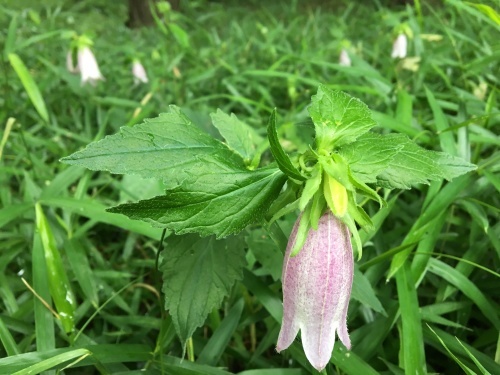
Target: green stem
{"x": 190, "y": 349}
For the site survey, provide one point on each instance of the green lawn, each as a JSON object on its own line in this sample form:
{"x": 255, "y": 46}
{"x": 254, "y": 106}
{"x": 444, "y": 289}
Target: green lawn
{"x": 80, "y": 292}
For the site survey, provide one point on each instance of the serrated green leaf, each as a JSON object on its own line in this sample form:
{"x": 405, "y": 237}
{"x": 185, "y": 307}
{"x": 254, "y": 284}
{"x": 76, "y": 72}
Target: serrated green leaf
{"x": 169, "y": 147}
{"x": 415, "y": 165}
{"x": 451, "y": 166}
{"x": 197, "y": 274}
{"x": 279, "y": 154}
{"x": 311, "y": 187}
{"x": 338, "y": 118}
{"x": 219, "y": 204}
{"x": 239, "y": 136}
{"x": 371, "y": 154}
{"x": 395, "y": 161}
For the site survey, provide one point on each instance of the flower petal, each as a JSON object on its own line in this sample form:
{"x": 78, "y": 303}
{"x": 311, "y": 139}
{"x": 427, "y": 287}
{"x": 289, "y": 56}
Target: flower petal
{"x": 88, "y": 67}
{"x": 139, "y": 73}
{"x": 399, "y": 47}
{"x": 287, "y": 335}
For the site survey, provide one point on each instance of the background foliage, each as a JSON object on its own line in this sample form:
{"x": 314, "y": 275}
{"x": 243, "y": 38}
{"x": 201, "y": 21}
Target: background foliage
{"x": 439, "y": 313}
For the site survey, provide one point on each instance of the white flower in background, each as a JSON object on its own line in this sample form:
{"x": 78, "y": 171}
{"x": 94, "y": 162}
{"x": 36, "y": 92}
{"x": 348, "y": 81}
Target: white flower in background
{"x": 87, "y": 64}
{"x": 399, "y": 47}
{"x": 139, "y": 73}
{"x": 344, "y": 58}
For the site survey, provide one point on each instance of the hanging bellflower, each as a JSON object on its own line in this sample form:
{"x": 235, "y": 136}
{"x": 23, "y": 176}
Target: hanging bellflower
{"x": 344, "y": 58}
{"x": 317, "y": 286}
{"x": 87, "y": 64}
{"x": 399, "y": 47}
{"x": 139, "y": 73}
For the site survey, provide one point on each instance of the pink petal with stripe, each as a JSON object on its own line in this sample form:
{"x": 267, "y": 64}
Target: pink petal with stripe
{"x": 316, "y": 290}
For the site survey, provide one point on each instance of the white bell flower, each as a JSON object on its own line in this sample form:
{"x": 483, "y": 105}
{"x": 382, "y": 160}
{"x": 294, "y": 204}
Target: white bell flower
{"x": 344, "y": 58}
{"x": 87, "y": 64}
{"x": 139, "y": 73}
{"x": 399, "y": 47}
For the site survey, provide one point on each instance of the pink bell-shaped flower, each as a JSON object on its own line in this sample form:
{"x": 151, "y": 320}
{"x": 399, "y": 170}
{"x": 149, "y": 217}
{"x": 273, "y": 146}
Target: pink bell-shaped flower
{"x": 344, "y": 58}
{"x": 317, "y": 286}
{"x": 139, "y": 73}
{"x": 87, "y": 64}
{"x": 399, "y": 47}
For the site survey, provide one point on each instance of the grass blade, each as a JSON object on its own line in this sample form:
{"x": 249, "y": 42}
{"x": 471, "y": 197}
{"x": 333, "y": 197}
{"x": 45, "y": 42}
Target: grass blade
{"x": 446, "y": 138}
{"x": 58, "y": 280}
{"x": 466, "y": 369}
{"x": 412, "y": 337}
{"x": 29, "y": 85}
{"x": 215, "y": 347}
{"x": 467, "y": 287}
{"x": 44, "y": 320}
{"x": 436, "y": 207}
{"x": 7, "y": 340}
{"x": 53, "y": 362}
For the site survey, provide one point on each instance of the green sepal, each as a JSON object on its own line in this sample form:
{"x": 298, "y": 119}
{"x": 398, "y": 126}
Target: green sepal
{"x": 337, "y": 168}
{"x": 366, "y": 190}
{"x": 358, "y": 213}
{"x": 311, "y": 186}
{"x": 290, "y": 207}
{"x": 318, "y": 206}
{"x": 302, "y": 231}
{"x": 348, "y": 220}
{"x": 336, "y": 196}
{"x": 285, "y": 198}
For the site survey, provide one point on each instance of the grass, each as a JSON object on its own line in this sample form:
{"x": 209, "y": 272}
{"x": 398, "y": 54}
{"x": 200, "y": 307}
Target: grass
{"x": 438, "y": 313}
